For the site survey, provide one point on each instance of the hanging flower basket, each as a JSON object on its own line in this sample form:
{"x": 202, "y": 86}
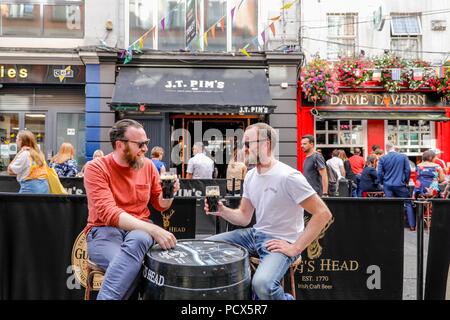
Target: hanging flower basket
{"x": 318, "y": 81}
{"x": 352, "y": 71}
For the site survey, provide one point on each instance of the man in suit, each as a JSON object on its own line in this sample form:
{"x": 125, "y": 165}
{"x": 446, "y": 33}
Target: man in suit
{"x": 393, "y": 173}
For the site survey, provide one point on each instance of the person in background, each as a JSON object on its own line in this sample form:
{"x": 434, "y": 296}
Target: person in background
{"x": 236, "y": 169}
{"x": 97, "y": 154}
{"x": 337, "y": 164}
{"x": 369, "y": 178}
{"x": 357, "y": 164}
{"x": 429, "y": 175}
{"x": 63, "y": 162}
{"x": 378, "y": 153}
{"x": 157, "y": 155}
{"x": 375, "y": 147}
{"x": 349, "y": 174}
{"x": 438, "y": 160}
{"x": 314, "y": 167}
{"x": 200, "y": 166}
{"x": 29, "y": 165}
{"x": 393, "y": 173}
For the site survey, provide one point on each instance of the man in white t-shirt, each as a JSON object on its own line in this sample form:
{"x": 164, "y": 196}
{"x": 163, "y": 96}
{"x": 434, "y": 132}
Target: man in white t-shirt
{"x": 279, "y": 194}
{"x": 200, "y": 166}
{"x": 337, "y": 164}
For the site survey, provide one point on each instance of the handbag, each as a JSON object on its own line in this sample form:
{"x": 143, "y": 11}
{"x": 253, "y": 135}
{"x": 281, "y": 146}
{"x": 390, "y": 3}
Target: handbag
{"x": 54, "y": 184}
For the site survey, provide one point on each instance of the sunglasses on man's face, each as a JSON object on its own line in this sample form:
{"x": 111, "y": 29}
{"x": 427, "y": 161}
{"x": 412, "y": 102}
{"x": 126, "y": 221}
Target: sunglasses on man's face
{"x": 140, "y": 144}
{"x": 247, "y": 143}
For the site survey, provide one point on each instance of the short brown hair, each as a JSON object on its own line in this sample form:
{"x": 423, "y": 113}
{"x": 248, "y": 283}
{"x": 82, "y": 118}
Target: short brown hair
{"x": 117, "y": 132}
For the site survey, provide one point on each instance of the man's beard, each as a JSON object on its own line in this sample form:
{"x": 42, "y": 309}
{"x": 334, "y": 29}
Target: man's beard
{"x": 252, "y": 159}
{"x": 133, "y": 161}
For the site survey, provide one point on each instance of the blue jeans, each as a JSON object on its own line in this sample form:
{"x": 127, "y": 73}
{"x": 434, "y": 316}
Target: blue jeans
{"x": 121, "y": 253}
{"x": 34, "y": 186}
{"x": 402, "y": 192}
{"x": 266, "y": 282}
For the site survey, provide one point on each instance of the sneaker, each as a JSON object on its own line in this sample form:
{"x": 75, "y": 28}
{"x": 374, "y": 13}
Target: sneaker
{"x": 288, "y": 296}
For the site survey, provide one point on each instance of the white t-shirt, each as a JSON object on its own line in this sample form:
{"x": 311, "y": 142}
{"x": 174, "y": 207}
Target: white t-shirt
{"x": 200, "y": 166}
{"x": 336, "y": 163}
{"x": 21, "y": 165}
{"x": 276, "y": 196}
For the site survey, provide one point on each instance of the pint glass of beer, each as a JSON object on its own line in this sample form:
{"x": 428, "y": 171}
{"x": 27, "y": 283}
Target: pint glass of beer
{"x": 212, "y": 198}
{"x": 167, "y": 182}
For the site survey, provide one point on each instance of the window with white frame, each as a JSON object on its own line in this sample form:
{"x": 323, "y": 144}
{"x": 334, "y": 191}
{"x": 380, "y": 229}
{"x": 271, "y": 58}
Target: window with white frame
{"x": 411, "y": 137}
{"x": 406, "y": 31}
{"x": 342, "y": 34}
{"x": 343, "y": 133}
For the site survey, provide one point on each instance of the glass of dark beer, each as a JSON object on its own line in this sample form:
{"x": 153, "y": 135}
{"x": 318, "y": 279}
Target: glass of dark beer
{"x": 212, "y": 198}
{"x": 167, "y": 182}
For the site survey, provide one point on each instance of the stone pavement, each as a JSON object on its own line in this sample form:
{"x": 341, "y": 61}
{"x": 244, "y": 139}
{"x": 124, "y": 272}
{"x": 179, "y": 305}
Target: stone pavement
{"x": 410, "y": 263}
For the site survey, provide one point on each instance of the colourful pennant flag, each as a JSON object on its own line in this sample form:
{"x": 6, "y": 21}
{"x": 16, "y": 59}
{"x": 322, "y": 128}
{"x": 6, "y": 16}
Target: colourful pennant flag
{"x": 244, "y": 51}
{"x": 272, "y": 28}
{"x": 213, "y": 31}
{"x": 417, "y": 74}
{"x": 232, "y": 13}
{"x": 396, "y": 74}
{"x": 163, "y": 23}
{"x": 205, "y": 38}
{"x": 287, "y": 6}
{"x": 122, "y": 54}
{"x": 128, "y": 56}
{"x": 275, "y": 18}
{"x": 376, "y": 76}
{"x": 255, "y": 42}
{"x": 222, "y": 23}
{"x": 263, "y": 36}
{"x": 141, "y": 43}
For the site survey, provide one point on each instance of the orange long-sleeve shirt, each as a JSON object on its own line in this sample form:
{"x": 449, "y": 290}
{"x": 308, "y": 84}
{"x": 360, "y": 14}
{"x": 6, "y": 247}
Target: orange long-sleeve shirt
{"x": 112, "y": 189}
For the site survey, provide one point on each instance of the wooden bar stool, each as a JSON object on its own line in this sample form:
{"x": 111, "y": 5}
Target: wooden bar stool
{"x": 92, "y": 270}
{"x": 254, "y": 262}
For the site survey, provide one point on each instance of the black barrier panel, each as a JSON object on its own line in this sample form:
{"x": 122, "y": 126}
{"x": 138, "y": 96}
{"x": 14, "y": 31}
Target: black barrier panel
{"x": 178, "y": 219}
{"x": 73, "y": 185}
{"x": 437, "y": 282}
{"x": 359, "y": 255}
{"x": 37, "y": 234}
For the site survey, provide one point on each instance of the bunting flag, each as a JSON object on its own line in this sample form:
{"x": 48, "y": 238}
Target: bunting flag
{"x": 163, "y": 24}
{"x": 122, "y": 54}
{"x": 232, "y": 13}
{"x": 141, "y": 43}
{"x": 213, "y": 31}
{"x": 255, "y": 43}
{"x": 272, "y": 28}
{"x": 417, "y": 74}
{"x": 287, "y": 6}
{"x": 275, "y": 18}
{"x": 222, "y": 24}
{"x": 263, "y": 36}
{"x": 396, "y": 74}
{"x": 357, "y": 73}
{"x": 376, "y": 76}
{"x": 244, "y": 51}
{"x": 205, "y": 38}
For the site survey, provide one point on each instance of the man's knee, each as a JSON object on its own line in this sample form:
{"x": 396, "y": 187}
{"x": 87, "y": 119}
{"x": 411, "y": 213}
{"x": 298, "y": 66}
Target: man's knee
{"x": 262, "y": 287}
{"x": 138, "y": 240}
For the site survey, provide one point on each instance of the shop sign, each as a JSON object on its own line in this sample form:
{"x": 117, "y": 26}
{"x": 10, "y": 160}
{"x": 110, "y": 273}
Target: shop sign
{"x": 370, "y": 99}
{"x": 42, "y": 74}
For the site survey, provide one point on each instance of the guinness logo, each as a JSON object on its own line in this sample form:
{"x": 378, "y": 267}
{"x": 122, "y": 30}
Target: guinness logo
{"x": 315, "y": 249}
{"x": 61, "y": 74}
{"x": 166, "y": 215}
{"x": 79, "y": 262}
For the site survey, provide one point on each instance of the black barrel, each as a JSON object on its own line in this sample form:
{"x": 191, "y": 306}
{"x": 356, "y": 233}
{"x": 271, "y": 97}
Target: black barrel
{"x": 197, "y": 270}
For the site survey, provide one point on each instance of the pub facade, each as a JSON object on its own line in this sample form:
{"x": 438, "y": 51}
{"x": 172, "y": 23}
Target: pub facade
{"x": 414, "y": 121}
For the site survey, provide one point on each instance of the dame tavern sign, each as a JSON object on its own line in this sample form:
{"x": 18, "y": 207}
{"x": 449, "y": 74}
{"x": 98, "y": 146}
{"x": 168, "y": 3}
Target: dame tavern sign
{"x": 373, "y": 99}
